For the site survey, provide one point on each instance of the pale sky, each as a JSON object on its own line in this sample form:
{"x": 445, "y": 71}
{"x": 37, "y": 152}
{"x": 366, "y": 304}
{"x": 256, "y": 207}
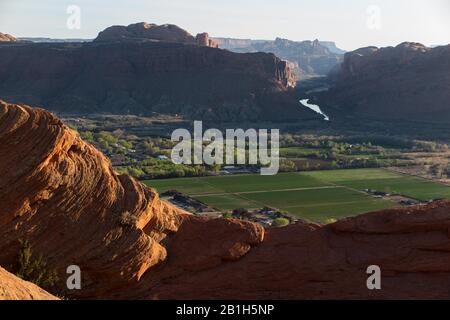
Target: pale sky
{"x": 350, "y": 23}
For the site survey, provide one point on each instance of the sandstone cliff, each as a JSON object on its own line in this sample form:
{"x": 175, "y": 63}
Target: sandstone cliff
{"x": 309, "y": 58}
{"x": 13, "y": 288}
{"x": 64, "y": 197}
{"x": 407, "y": 82}
{"x": 202, "y": 39}
{"x": 148, "y": 77}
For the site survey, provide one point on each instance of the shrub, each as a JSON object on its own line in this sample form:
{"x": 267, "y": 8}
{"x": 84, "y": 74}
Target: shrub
{"x": 330, "y": 220}
{"x": 35, "y": 270}
{"x": 280, "y": 222}
{"x": 227, "y": 215}
{"x": 127, "y": 219}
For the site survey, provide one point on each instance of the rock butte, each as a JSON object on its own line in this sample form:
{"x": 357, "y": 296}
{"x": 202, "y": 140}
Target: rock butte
{"x": 64, "y": 196}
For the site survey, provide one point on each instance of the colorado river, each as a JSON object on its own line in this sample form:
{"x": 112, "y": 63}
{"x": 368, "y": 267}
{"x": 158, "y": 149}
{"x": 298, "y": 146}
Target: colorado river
{"x": 314, "y": 108}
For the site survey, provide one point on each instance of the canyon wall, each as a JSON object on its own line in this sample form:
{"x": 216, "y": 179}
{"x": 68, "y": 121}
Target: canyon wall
{"x": 147, "y": 78}
{"x": 406, "y": 82}
{"x": 308, "y": 58}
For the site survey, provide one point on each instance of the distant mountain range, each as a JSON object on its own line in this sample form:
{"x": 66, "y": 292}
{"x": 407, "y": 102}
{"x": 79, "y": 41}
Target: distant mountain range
{"x": 307, "y": 58}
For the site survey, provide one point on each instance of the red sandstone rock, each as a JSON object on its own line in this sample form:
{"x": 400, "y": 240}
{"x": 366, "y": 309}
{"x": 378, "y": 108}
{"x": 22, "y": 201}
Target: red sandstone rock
{"x": 14, "y": 288}
{"x": 63, "y": 196}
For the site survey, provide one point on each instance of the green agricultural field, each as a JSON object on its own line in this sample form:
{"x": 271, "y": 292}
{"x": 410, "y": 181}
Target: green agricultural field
{"x": 237, "y": 183}
{"x": 383, "y": 180}
{"x": 314, "y": 195}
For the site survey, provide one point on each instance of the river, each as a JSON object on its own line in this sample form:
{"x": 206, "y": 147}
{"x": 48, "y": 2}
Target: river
{"x": 314, "y": 108}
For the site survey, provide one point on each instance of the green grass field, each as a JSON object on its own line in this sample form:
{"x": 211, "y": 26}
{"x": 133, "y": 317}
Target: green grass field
{"x": 313, "y": 195}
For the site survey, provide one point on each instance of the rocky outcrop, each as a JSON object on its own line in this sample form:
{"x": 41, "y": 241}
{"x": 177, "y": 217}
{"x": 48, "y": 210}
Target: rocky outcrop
{"x": 310, "y": 261}
{"x": 406, "y": 82}
{"x": 309, "y": 58}
{"x": 203, "y": 40}
{"x": 146, "y": 31}
{"x": 63, "y": 196}
{"x": 148, "y": 77}
{"x": 14, "y": 288}
{"x": 4, "y": 37}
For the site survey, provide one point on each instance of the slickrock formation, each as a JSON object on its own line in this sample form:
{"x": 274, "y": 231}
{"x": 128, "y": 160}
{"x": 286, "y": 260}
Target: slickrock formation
{"x": 407, "y": 82}
{"x": 13, "y": 288}
{"x": 4, "y": 37}
{"x": 64, "y": 197}
{"x": 171, "y": 76}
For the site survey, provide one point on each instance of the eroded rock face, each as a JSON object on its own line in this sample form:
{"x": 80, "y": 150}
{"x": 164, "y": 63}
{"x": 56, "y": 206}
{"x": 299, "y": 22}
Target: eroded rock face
{"x": 406, "y": 82}
{"x": 310, "y": 261}
{"x": 309, "y": 58}
{"x": 63, "y": 196}
{"x": 14, "y": 288}
{"x": 203, "y": 40}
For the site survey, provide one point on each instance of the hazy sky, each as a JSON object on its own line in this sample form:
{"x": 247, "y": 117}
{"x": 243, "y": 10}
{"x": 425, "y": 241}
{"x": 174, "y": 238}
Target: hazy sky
{"x": 350, "y": 23}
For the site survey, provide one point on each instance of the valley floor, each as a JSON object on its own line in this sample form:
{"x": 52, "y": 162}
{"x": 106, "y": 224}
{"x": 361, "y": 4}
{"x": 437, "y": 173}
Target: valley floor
{"x": 320, "y": 196}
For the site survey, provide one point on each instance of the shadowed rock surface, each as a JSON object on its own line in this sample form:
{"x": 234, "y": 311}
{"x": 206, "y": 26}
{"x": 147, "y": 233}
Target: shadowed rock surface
{"x": 406, "y": 82}
{"x": 306, "y": 58}
{"x": 14, "y": 288}
{"x": 64, "y": 197}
